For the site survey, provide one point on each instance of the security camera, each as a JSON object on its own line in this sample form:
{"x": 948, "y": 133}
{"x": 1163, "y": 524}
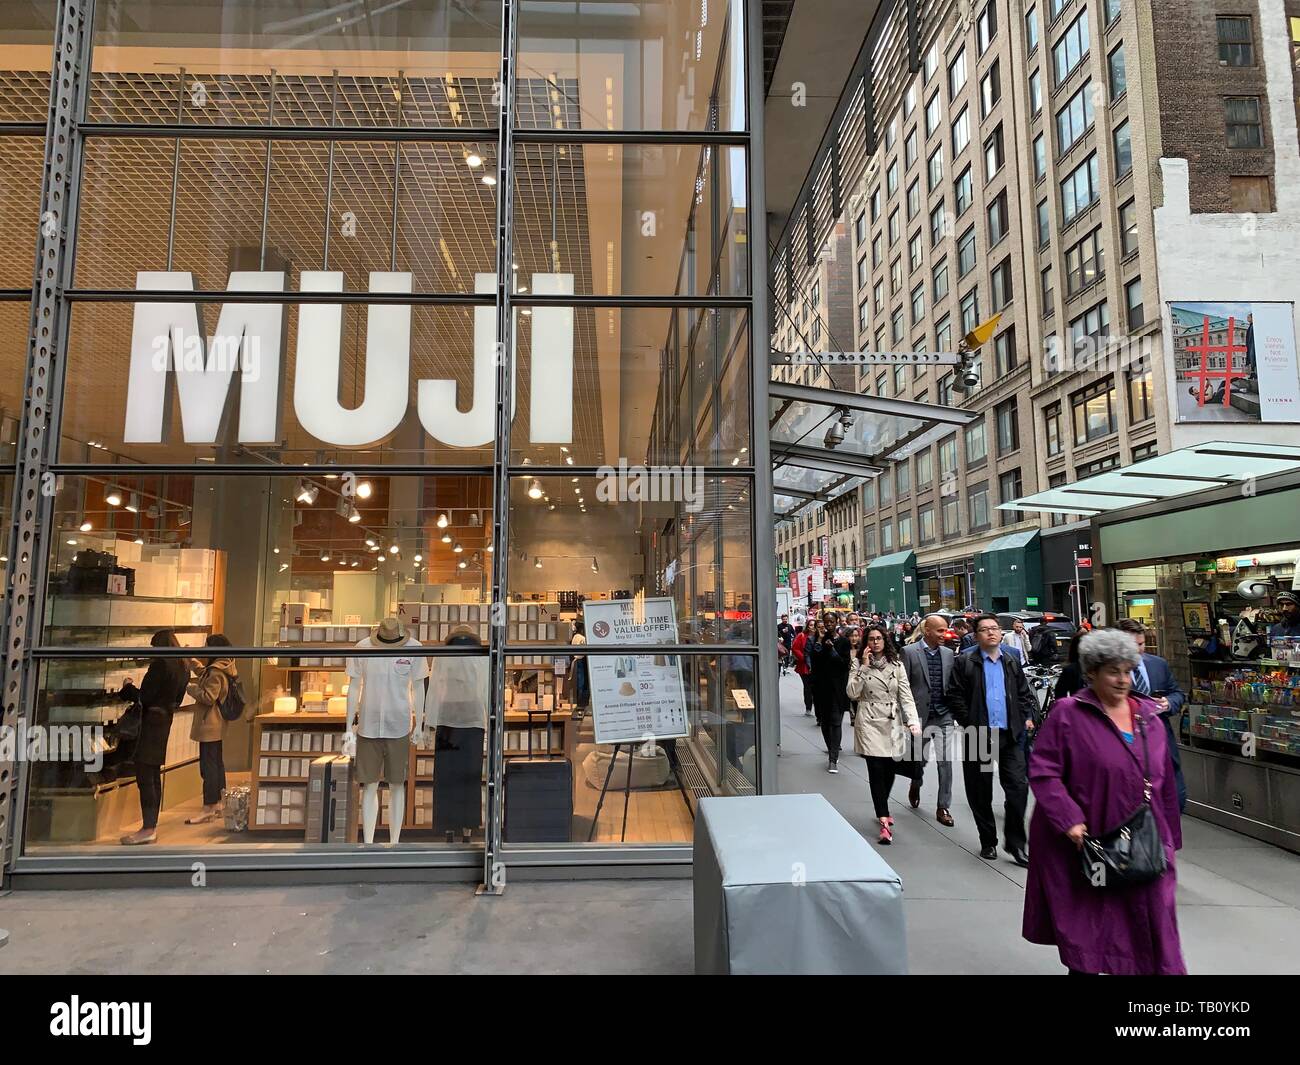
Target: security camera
{"x": 838, "y": 430}
{"x": 1255, "y": 589}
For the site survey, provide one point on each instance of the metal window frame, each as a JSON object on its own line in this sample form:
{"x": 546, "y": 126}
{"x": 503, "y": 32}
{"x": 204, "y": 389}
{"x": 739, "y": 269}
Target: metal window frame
{"x": 54, "y": 296}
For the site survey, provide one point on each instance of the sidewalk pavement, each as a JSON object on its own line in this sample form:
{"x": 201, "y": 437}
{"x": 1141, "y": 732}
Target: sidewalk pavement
{"x": 1239, "y": 908}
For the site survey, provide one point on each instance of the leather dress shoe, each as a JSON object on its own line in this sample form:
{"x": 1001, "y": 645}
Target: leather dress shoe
{"x": 1020, "y": 855}
{"x": 989, "y": 854}
{"x": 914, "y": 794}
{"x": 944, "y": 817}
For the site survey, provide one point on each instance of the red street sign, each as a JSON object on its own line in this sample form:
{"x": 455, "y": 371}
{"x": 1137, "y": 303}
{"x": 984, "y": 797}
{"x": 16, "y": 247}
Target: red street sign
{"x": 818, "y": 561}
{"x": 1084, "y": 563}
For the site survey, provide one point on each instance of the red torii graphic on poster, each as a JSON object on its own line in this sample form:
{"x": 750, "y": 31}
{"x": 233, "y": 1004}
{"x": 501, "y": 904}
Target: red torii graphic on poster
{"x": 1205, "y": 348}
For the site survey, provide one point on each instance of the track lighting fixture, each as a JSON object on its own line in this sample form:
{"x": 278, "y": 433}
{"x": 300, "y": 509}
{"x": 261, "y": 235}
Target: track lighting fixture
{"x": 113, "y": 496}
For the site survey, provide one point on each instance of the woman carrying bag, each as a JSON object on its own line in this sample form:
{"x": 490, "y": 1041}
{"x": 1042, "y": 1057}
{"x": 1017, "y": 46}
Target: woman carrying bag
{"x": 884, "y": 715}
{"x": 208, "y": 729}
{"x": 159, "y": 695}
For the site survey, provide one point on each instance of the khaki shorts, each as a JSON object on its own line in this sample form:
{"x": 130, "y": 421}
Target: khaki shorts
{"x": 385, "y": 760}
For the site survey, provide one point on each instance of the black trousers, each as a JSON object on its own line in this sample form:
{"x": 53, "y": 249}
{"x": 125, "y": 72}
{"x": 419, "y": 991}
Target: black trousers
{"x": 832, "y": 724}
{"x": 148, "y": 782}
{"x": 212, "y": 768}
{"x": 880, "y": 777}
{"x": 807, "y": 690}
{"x": 978, "y": 776}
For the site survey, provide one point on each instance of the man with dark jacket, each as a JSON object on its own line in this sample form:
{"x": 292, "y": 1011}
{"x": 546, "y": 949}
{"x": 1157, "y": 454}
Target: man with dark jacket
{"x": 785, "y": 634}
{"x": 928, "y": 663}
{"x": 1154, "y": 678}
{"x": 988, "y": 690}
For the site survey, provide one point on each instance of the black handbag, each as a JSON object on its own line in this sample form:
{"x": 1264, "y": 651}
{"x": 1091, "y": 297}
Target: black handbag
{"x": 1134, "y": 853}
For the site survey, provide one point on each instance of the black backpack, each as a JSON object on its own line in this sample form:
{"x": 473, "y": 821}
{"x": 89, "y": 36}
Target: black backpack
{"x": 1045, "y": 650}
{"x": 233, "y": 705}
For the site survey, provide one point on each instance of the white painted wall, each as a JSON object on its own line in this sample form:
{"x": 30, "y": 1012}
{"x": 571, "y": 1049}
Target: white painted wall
{"x": 1235, "y": 256}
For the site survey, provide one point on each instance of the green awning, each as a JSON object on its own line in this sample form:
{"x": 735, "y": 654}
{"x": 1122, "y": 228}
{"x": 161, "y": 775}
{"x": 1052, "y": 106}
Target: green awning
{"x": 886, "y": 588}
{"x": 1009, "y": 570}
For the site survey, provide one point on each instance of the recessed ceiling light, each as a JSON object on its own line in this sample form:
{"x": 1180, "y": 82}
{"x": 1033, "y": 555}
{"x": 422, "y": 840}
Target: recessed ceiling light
{"x": 489, "y": 180}
{"x": 364, "y": 490}
{"x": 473, "y": 160}
{"x": 113, "y": 497}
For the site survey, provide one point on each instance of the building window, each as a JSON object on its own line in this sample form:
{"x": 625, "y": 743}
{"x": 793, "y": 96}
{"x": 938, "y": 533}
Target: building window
{"x": 934, "y": 169}
{"x": 1071, "y": 48}
{"x": 894, "y": 228}
{"x": 877, "y": 250}
{"x": 1004, "y": 347}
{"x": 1133, "y": 303}
{"x": 897, "y": 324}
{"x": 1091, "y": 469}
{"x": 869, "y": 542}
{"x": 862, "y": 316}
{"x": 948, "y": 456}
{"x": 993, "y": 155}
{"x": 862, "y": 271}
{"x": 1057, "y": 480}
{"x": 979, "y": 506}
{"x": 1008, "y": 426}
{"x": 970, "y": 311}
{"x": 902, "y": 478}
{"x": 1123, "y": 149}
{"x": 924, "y": 469}
{"x": 961, "y": 132}
{"x": 918, "y": 304}
{"x": 966, "y": 252}
{"x": 1251, "y": 194}
{"x": 816, "y": 295}
{"x": 860, "y": 230}
{"x": 891, "y": 178}
{"x": 1031, "y": 29}
{"x": 940, "y": 275}
{"x": 1093, "y": 410}
{"x": 1128, "y": 227}
{"x": 956, "y": 75}
{"x": 880, "y": 342}
{"x": 1000, "y": 285}
{"x": 900, "y": 380}
{"x": 891, "y": 135}
{"x": 910, "y": 149}
{"x": 951, "y": 517}
{"x": 1055, "y": 7}
{"x": 904, "y": 530}
{"x": 1236, "y": 43}
{"x": 886, "y": 538}
{"x": 909, "y": 101}
{"x": 875, "y": 204}
{"x": 913, "y": 198}
{"x": 944, "y": 391}
{"x": 964, "y": 191}
{"x": 1112, "y": 10}
{"x": 869, "y": 495}
{"x": 1244, "y": 127}
{"x": 938, "y": 224}
{"x": 1118, "y": 77}
{"x": 881, "y": 380}
{"x": 1140, "y": 405}
{"x": 1074, "y": 119}
{"x": 885, "y": 489}
{"x": 914, "y": 249}
{"x": 1080, "y": 189}
{"x": 1040, "y": 157}
{"x": 1085, "y": 263}
{"x": 977, "y": 445}
{"x": 878, "y": 297}
{"x": 931, "y": 61}
{"x": 997, "y": 216}
{"x": 1093, "y": 324}
{"x": 1149, "y": 450}
{"x": 1045, "y": 285}
{"x": 990, "y": 90}
{"x": 925, "y": 523}
{"x": 895, "y": 276}
{"x": 932, "y": 115}
{"x": 816, "y": 332}
{"x": 1044, "y": 225}
{"x": 1035, "y": 92}
{"x": 986, "y": 26}
{"x": 943, "y": 335}
{"x": 1052, "y": 429}
{"x": 1009, "y": 489}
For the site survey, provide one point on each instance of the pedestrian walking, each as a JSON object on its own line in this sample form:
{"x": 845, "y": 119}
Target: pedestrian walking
{"x": 1153, "y": 677}
{"x": 1018, "y": 639}
{"x": 785, "y": 636}
{"x": 831, "y": 657}
{"x": 801, "y": 649}
{"x": 884, "y": 715}
{"x": 1102, "y": 756}
{"x": 928, "y": 663}
{"x": 1071, "y": 679}
{"x": 988, "y": 690}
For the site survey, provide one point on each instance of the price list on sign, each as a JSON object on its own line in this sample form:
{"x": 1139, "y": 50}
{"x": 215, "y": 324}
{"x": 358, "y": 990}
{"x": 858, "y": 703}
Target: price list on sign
{"x": 635, "y": 697}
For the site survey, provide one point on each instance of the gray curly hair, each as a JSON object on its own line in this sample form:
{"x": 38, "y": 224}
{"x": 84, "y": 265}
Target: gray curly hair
{"x": 1107, "y": 647}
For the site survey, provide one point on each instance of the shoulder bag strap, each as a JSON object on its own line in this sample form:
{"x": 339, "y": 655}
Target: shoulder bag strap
{"x": 1146, "y": 753}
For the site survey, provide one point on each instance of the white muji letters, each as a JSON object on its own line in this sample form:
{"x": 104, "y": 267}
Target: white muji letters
{"x": 167, "y": 339}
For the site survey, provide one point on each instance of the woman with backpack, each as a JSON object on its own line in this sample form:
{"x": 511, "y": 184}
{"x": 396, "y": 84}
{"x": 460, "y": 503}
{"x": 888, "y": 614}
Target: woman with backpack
{"x": 211, "y": 688}
{"x": 159, "y": 695}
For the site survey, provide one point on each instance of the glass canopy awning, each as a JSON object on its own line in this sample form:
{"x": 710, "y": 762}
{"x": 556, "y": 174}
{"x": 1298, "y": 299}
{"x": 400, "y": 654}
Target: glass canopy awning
{"x": 1181, "y": 472}
{"x": 827, "y": 441}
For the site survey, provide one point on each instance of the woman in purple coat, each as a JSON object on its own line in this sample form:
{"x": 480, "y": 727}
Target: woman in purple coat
{"x": 1086, "y": 776}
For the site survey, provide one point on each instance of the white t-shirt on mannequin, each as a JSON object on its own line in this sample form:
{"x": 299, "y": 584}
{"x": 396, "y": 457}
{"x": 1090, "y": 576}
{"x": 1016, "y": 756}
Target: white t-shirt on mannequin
{"x": 390, "y": 690}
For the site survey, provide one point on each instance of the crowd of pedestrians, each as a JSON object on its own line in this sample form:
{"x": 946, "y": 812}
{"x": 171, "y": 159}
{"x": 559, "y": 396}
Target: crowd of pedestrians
{"x": 1101, "y": 761}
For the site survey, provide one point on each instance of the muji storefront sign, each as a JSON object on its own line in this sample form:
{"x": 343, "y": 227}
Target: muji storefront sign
{"x": 168, "y": 341}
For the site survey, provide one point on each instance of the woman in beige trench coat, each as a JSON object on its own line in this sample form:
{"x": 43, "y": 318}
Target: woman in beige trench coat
{"x": 884, "y": 713}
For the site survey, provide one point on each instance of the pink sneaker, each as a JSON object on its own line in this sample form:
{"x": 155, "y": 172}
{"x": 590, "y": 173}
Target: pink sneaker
{"x": 886, "y": 835}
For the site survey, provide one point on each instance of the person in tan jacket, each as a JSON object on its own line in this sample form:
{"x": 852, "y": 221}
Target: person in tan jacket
{"x": 208, "y": 728}
{"x": 885, "y": 712}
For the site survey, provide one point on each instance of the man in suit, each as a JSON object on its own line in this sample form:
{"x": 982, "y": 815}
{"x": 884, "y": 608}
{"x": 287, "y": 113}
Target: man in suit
{"x": 928, "y": 662}
{"x": 1154, "y": 678}
{"x": 988, "y": 689}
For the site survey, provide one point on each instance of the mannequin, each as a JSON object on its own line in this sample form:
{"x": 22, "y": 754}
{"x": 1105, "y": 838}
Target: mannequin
{"x": 385, "y": 706}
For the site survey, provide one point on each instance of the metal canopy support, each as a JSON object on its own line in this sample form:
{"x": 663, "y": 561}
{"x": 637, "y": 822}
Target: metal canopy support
{"x": 33, "y": 486}
{"x": 901, "y": 408}
{"x": 811, "y": 458}
{"x": 493, "y": 864}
